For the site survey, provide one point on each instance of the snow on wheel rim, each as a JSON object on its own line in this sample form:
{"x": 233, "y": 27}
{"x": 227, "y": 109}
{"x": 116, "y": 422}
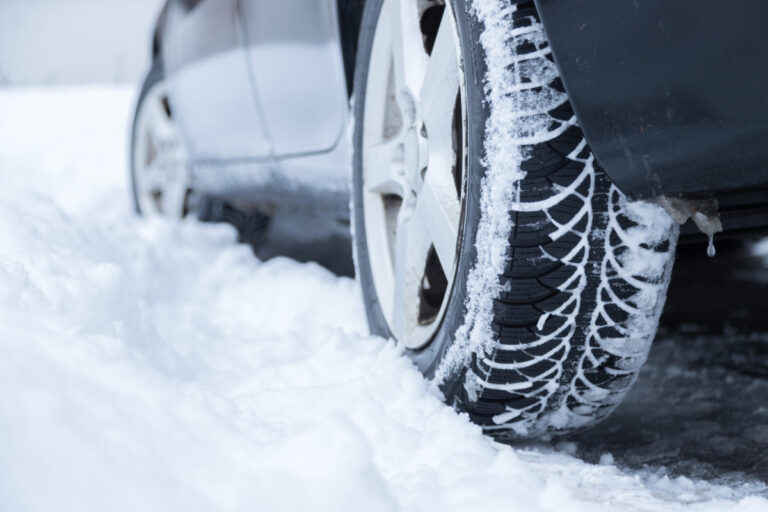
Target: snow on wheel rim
{"x": 160, "y": 163}
{"x": 414, "y": 142}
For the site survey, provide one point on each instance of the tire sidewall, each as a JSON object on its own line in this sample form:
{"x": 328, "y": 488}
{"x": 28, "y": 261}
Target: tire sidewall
{"x": 428, "y": 359}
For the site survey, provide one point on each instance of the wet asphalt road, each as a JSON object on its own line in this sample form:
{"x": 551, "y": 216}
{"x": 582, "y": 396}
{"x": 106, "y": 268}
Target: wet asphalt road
{"x": 700, "y": 406}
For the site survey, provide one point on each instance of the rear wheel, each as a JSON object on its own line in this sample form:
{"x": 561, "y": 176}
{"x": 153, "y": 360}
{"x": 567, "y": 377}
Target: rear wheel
{"x": 160, "y": 175}
{"x": 489, "y": 242}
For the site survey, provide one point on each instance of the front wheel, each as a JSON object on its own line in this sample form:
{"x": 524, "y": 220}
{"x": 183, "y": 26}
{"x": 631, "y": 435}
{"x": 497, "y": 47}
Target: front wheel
{"x": 490, "y": 244}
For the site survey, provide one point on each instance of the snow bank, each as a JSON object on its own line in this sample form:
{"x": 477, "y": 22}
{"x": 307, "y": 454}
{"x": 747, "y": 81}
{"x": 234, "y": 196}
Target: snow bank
{"x": 147, "y": 366}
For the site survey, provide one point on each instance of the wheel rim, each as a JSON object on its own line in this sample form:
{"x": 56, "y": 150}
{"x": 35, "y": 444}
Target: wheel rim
{"x": 160, "y": 164}
{"x": 414, "y": 141}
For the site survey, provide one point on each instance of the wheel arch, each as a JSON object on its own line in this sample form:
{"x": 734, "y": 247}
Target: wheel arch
{"x": 350, "y": 13}
{"x": 652, "y": 87}
{"x": 158, "y": 33}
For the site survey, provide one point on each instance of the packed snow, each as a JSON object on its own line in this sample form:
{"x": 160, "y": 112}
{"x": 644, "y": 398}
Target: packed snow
{"x": 147, "y": 365}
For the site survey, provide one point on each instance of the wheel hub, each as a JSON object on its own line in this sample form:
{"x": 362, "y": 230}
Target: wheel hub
{"x": 416, "y": 151}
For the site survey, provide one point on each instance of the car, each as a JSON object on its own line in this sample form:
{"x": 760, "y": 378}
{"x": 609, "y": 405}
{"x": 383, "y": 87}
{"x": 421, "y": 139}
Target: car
{"x": 513, "y": 173}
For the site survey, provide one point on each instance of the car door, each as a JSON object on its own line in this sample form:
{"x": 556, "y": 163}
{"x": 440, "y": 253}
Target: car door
{"x": 298, "y": 72}
{"x": 209, "y": 79}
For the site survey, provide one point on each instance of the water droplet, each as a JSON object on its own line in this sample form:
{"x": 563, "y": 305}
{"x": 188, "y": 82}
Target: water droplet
{"x": 711, "y": 247}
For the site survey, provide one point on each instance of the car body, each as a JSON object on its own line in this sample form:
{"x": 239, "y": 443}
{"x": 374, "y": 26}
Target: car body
{"x": 274, "y": 130}
{"x": 671, "y": 97}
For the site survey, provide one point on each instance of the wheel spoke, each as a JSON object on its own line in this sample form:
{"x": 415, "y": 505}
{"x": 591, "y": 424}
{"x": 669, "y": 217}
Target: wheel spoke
{"x": 411, "y": 249}
{"x": 440, "y": 89}
{"x": 374, "y": 122}
{"x": 438, "y": 204}
{"x": 439, "y": 210}
{"x": 153, "y": 177}
{"x": 174, "y": 197}
{"x": 384, "y": 172}
{"x": 408, "y": 55}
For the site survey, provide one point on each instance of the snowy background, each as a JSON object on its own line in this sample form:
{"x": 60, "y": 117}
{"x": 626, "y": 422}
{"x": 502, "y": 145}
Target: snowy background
{"x": 75, "y": 41}
{"x": 154, "y": 366}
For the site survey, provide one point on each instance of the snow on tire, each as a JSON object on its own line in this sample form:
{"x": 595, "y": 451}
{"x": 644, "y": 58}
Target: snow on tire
{"x": 560, "y": 279}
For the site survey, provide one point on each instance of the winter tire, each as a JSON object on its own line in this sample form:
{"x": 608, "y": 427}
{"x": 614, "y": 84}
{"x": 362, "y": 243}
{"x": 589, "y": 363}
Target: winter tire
{"x": 159, "y": 166}
{"x": 489, "y": 242}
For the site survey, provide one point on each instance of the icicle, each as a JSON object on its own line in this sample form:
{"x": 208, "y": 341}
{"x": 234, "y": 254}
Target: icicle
{"x": 703, "y": 212}
{"x": 711, "y": 247}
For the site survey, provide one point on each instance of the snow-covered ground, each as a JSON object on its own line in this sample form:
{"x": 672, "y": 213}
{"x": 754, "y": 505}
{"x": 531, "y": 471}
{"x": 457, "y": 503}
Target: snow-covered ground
{"x": 152, "y": 366}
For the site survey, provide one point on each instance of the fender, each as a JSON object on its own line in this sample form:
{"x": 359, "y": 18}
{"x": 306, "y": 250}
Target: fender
{"x": 672, "y": 95}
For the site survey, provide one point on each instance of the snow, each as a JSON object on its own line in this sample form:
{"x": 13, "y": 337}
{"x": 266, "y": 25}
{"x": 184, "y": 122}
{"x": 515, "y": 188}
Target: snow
{"x": 153, "y": 366}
